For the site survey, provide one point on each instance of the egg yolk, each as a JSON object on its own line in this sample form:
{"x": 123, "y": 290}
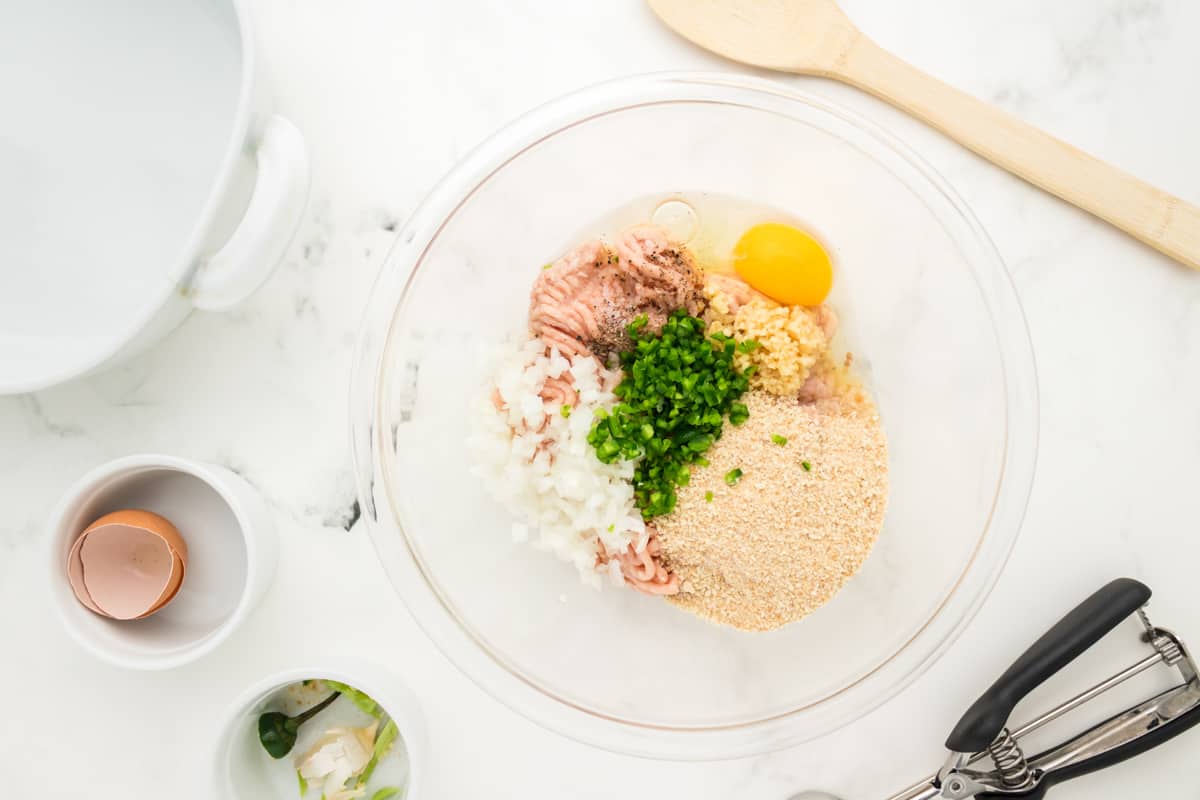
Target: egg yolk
{"x": 784, "y": 263}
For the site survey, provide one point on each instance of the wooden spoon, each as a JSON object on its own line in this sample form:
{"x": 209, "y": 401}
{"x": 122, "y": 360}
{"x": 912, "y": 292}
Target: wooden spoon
{"x": 814, "y": 37}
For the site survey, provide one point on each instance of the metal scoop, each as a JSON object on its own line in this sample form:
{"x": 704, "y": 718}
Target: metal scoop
{"x": 982, "y": 734}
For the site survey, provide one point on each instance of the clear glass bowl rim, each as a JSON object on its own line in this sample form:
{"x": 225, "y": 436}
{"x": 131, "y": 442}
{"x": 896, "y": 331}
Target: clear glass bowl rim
{"x": 487, "y": 670}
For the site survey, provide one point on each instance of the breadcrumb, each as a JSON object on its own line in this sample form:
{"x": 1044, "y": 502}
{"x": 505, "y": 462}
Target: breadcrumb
{"x": 779, "y": 543}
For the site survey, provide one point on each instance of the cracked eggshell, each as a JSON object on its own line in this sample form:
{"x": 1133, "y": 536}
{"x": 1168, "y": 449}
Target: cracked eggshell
{"x": 127, "y": 564}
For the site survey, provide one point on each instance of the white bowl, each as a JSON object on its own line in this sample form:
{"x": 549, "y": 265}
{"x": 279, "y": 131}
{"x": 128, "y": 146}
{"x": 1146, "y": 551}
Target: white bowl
{"x": 231, "y": 557}
{"x": 144, "y": 174}
{"x": 242, "y": 771}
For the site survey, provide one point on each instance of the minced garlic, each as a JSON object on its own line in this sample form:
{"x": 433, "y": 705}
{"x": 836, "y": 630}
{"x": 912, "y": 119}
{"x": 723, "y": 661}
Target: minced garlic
{"x": 341, "y": 754}
{"x": 793, "y": 341}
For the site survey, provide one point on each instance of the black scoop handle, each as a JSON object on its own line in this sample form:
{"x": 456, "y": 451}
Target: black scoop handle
{"x": 1085, "y": 625}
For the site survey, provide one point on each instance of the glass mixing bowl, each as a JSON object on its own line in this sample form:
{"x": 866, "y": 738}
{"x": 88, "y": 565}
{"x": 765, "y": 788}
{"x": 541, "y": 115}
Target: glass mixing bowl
{"x": 935, "y": 324}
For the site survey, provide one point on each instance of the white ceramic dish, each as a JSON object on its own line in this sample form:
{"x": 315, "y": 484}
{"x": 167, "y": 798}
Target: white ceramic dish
{"x": 144, "y": 175}
{"x": 242, "y": 771}
{"x": 232, "y": 552}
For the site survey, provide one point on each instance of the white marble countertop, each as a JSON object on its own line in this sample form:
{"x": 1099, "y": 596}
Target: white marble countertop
{"x": 389, "y": 94}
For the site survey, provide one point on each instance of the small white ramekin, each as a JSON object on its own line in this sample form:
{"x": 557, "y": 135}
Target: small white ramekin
{"x": 232, "y": 553}
{"x": 237, "y": 755}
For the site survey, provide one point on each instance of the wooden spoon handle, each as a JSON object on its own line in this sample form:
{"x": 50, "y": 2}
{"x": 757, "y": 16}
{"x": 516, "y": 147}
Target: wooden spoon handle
{"x": 1161, "y": 220}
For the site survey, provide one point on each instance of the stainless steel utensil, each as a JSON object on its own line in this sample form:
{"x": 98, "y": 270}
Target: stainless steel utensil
{"x": 982, "y": 734}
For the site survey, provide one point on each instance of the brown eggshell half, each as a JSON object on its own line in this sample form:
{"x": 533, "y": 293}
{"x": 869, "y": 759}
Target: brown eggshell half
{"x": 133, "y": 563}
{"x": 125, "y": 569}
